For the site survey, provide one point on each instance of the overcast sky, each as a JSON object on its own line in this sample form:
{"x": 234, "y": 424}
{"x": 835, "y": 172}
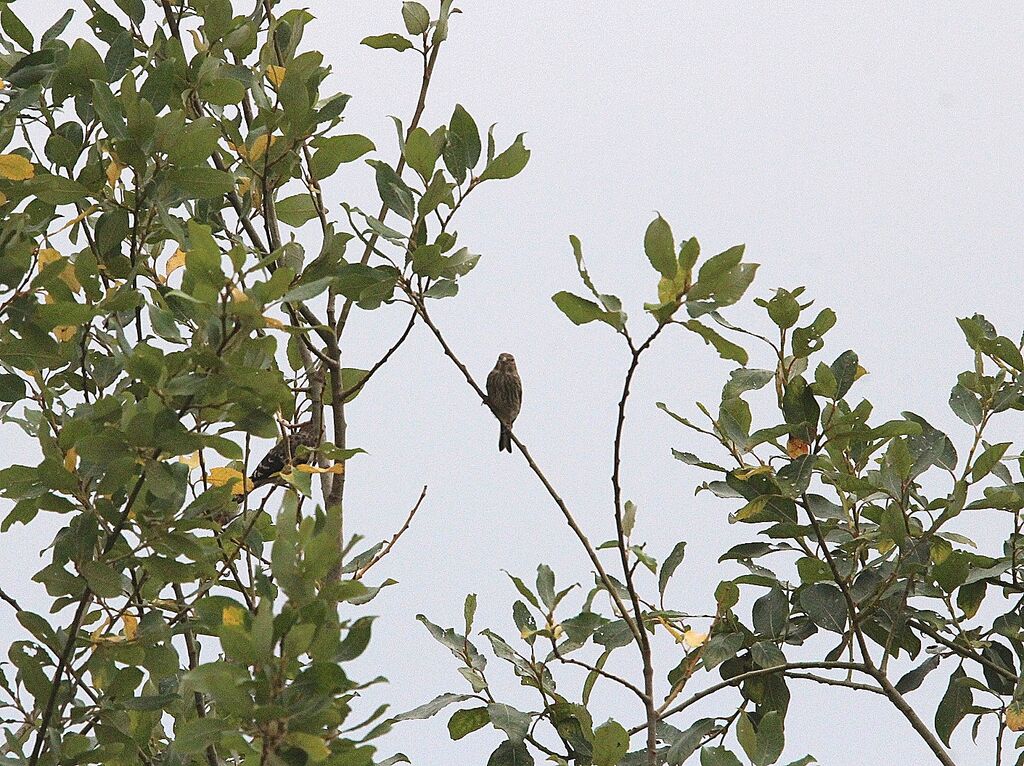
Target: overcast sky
{"x": 870, "y": 151}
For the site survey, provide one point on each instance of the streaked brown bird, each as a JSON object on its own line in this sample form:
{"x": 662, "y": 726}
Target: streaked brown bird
{"x": 287, "y": 451}
{"x": 505, "y": 396}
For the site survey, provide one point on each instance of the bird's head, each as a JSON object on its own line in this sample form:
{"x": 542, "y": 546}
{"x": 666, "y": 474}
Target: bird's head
{"x": 507, "y": 362}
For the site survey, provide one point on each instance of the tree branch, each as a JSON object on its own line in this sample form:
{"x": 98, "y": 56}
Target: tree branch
{"x": 569, "y": 518}
{"x": 391, "y": 544}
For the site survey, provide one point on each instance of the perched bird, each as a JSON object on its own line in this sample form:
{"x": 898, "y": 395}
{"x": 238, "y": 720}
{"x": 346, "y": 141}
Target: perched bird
{"x": 287, "y": 451}
{"x": 505, "y": 395}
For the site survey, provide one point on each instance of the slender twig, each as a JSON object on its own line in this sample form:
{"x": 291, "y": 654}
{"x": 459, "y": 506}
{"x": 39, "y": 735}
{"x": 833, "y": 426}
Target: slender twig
{"x": 599, "y": 671}
{"x": 192, "y": 648}
{"x": 10, "y": 600}
{"x": 962, "y": 651}
{"x": 836, "y": 682}
{"x": 356, "y": 387}
{"x": 639, "y": 634}
{"x": 391, "y": 543}
{"x": 757, "y": 673}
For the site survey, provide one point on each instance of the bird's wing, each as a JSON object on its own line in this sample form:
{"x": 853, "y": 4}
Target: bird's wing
{"x": 492, "y": 381}
{"x": 271, "y": 463}
{"x": 515, "y": 395}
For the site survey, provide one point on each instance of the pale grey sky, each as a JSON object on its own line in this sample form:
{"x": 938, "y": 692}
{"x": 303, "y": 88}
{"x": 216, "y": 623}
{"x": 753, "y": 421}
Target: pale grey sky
{"x": 869, "y": 150}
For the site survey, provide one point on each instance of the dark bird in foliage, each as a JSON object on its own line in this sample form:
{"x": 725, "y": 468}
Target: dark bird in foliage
{"x": 505, "y": 396}
{"x": 288, "y": 452}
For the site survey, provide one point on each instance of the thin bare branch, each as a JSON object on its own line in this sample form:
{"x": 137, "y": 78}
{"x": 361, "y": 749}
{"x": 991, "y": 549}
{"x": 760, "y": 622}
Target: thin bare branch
{"x": 391, "y": 543}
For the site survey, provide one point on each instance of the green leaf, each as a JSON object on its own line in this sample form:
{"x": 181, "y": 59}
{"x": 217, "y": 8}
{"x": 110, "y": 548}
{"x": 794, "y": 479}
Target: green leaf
{"x": 965, "y": 405}
{"x": 433, "y": 707}
{"x": 988, "y": 460}
{"x": 770, "y": 739}
{"x": 509, "y": 163}
{"x": 844, "y": 368}
{"x": 102, "y": 579}
{"x": 12, "y": 388}
{"x": 199, "y": 182}
{"x": 546, "y": 585}
{"x": 674, "y": 559}
{"x": 416, "y": 17}
{"x": 954, "y": 705}
{"x": 718, "y": 756}
{"x": 684, "y": 744}
{"x": 825, "y": 605}
{"x": 913, "y": 679}
{"x": 391, "y": 40}
{"x": 296, "y": 210}
{"x": 581, "y": 311}
{"x": 466, "y": 721}
{"x": 469, "y": 611}
{"x": 511, "y": 753}
{"x": 393, "y": 190}
{"x": 771, "y": 613}
{"x": 784, "y": 309}
{"x": 336, "y": 150}
{"x": 15, "y": 29}
{"x": 743, "y": 380}
{"x": 660, "y": 247}
{"x": 462, "y": 150}
{"x": 421, "y": 152}
{"x": 611, "y": 741}
{"x": 314, "y": 747}
{"x": 506, "y": 718}
{"x": 807, "y": 340}
{"x": 438, "y": 191}
{"x": 725, "y": 348}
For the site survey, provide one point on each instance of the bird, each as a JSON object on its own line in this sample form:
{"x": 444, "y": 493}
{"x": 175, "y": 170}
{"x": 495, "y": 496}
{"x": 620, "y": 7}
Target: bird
{"x": 287, "y": 452}
{"x": 505, "y": 396}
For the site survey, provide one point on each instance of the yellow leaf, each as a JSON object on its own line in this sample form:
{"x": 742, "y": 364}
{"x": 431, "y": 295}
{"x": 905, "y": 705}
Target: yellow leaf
{"x": 114, "y": 171}
{"x": 859, "y": 373}
{"x": 95, "y": 635}
{"x": 200, "y": 45}
{"x": 78, "y": 218}
{"x": 672, "y": 631}
{"x": 218, "y": 477}
{"x": 694, "y": 639}
{"x": 336, "y": 468}
{"x": 244, "y": 184}
{"x": 175, "y": 262}
{"x": 71, "y": 460}
{"x": 746, "y": 473}
{"x": 276, "y": 75}
{"x": 68, "y": 277}
{"x": 274, "y": 324}
{"x": 1015, "y": 716}
{"x": 232, "y": 616}
{"x": 259, "y": 146}
{"x": 65, "y": 332}
{"x": 131, "y": 626}
{"x": 3, "y": 198}
{"x": 796, "y": 447}
{"x": 47, "y": 255}
{"x": 192, "y": 461}
{"x": 237, "y": 295}
{"x": 14, "y": 167}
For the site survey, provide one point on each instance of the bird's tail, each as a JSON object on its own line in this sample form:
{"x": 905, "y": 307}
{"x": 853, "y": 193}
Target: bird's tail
{"x": 505, "y": 439}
